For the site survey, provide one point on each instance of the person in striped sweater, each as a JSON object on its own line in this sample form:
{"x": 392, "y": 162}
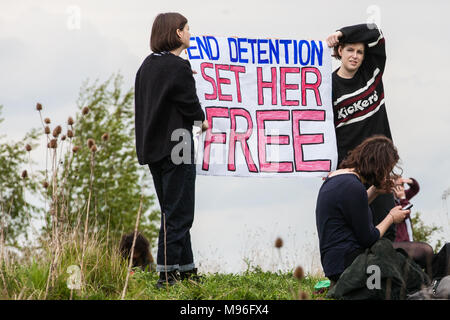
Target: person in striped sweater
{"x": 358, "y": 97}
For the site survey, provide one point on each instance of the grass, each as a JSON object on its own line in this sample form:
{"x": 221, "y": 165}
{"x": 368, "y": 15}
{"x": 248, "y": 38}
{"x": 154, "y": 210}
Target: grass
{"x": 77, "y": 263}
{"x": 106, "y": 271}
{"x": 250, "y": 285}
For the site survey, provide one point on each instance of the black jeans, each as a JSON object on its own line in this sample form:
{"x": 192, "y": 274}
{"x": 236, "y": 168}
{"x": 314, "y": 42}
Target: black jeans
{"x": 175, "y": 188}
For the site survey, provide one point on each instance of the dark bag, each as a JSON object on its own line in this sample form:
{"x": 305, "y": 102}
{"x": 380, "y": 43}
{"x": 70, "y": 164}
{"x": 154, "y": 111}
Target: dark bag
{"x": 440, "y": 264}
{"x": 399, "y": 275}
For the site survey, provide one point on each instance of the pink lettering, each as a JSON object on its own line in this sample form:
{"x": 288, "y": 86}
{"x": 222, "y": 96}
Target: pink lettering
{"x": 242, "y": 138}
{"x": 213, "y": 112}
{"x": 263, "y": 140}
{"x": 302, "y": 139}
{"x": 311, "y": 86}
{"x": 222, "y": 97}
{"x": 237, "y": 70}
{"x": 284, "y": 86}
{"x": 212, "y": 96}
{"x": 267, "y": 84}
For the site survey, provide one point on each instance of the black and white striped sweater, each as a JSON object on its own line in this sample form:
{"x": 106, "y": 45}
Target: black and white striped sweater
{"x": 358, "y": 103}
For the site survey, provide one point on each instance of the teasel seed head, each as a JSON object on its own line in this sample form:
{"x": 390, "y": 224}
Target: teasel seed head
{"x": 47, "y": 120}
{"x": 105, "y": 136}
{"x": 70, "y": 121}
{"x": 47, "y": 130}
{"x": 278, "y": 243}
{"x": 53, "y": 144}
{"x": 45, "y": 184}
{"x": 63, "y": 137}
{"x": 57, "y": 131}
{"x": 24, "y": 174}
{"x": 299, "y": 273}
{"x": 38, "y": 106}
{"x": 28, "y": 147}
{"x": 302, "y": 295}
{"x": 85, "y": 111}
{"x": 90, "y": 142}
{"x": 75, "y": 149}
{"x": 94, "y": 148}
{"x": 70, "y": 134}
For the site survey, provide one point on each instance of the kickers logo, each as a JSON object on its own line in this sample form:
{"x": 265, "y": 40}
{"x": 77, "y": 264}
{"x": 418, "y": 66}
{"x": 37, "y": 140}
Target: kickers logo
{"x": 359, "y": 105}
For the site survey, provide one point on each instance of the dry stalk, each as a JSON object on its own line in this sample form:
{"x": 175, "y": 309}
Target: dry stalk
{"x": 21, "y": 293}
{"x": 107, "y": 228}
{"x": 63, "y": 187}
{"x": 95, "y": 214}
{"x": 86, "y": 224}
{"x": 46, "y": 153}
{"x": 50, "y": 271}
{"x": 109, "y": 215}
{"x": 2, "y": 248}
{"x": 55, "y": 235}
{"x": 77, "y": 228}
{"x": 132, "y": 248}
{"x": 27, "y": 210}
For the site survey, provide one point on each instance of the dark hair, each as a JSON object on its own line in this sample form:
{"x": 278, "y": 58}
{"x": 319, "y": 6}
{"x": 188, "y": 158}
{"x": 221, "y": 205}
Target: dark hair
{"x": 141, "y": 248}
{"x": 164, "y": 35}
{"x": 335, "y": 53}
{"x": 374, "y": 160}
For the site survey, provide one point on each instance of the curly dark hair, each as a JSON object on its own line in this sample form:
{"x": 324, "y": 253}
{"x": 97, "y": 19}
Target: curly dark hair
{"x": 374, "y": 160}
{"x": 141, "y": 256}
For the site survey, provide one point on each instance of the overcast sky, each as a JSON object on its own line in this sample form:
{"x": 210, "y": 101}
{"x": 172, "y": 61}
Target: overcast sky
{"x": 46, "y": 53}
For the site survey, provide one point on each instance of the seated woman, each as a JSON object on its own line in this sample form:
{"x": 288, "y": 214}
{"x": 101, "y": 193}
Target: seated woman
{"x": 422, "y": 253}
{"x": 343, "y": 216}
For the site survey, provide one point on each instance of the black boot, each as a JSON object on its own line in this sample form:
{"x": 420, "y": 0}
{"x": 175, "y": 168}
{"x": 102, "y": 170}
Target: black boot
{"x": 191, "y": 275}
{"x": 171, "y": 279}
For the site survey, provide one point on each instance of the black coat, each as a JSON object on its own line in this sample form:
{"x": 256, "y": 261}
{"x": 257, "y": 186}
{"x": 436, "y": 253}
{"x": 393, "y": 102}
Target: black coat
{"x": 165, "y": 100}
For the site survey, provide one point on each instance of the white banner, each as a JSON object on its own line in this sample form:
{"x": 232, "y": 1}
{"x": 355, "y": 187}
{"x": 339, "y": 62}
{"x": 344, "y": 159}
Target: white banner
{"x": 268, "y": 104}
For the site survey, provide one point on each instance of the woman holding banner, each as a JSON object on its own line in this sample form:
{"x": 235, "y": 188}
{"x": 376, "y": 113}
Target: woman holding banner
{"x": 166, "y": 102}
{"x": 358, "y": 97}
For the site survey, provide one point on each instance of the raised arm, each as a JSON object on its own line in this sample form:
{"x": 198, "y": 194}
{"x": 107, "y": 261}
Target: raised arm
{"x": 413, "y": 188}
{"x": 369, "y": 34}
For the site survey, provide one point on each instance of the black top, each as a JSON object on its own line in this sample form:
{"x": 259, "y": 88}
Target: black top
{"x": 165, "y": 100}
{"x": 358, "y": 103}
{"x": 343, "y": 220}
